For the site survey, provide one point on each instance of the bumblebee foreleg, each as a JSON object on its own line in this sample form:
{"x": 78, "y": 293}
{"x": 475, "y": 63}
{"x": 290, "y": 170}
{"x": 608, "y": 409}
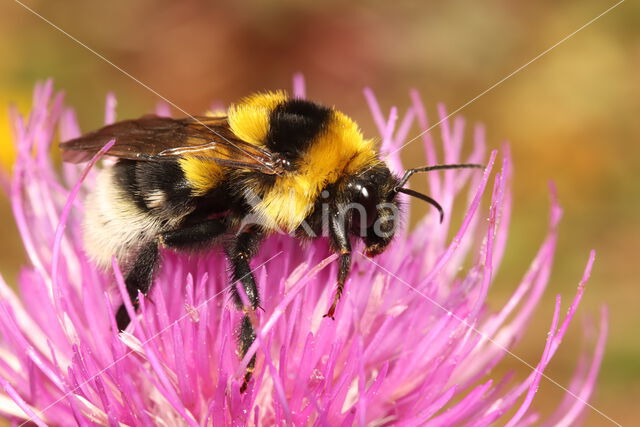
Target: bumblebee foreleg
{"x": 240, "y": 253}
{"x": 339, "y": 241}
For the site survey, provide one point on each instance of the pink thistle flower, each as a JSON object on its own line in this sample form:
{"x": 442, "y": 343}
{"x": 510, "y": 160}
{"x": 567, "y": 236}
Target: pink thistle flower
{"x": 413, "y": 343}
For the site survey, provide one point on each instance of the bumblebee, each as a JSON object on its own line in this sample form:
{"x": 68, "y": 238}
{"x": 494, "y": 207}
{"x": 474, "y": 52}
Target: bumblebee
{"x": 272, "y": 163}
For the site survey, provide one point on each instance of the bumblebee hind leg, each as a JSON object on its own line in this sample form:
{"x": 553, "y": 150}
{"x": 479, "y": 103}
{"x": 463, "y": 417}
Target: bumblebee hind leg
{"x": 246, "y": 338}
{"x": 140, "y": 277}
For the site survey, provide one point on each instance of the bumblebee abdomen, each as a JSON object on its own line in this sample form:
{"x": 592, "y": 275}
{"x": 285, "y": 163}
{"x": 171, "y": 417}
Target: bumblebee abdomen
{"x": 115, "y": 224}
{"x": 132, "y": 203}
{"x": 160, "y": 188}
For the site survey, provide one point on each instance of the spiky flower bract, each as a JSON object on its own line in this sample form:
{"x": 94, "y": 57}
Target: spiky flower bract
{"x": 413, "y": 343}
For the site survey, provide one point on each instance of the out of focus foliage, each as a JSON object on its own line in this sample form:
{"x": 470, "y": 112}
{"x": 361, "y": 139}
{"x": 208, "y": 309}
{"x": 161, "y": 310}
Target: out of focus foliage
{"x": 570, "y": 116}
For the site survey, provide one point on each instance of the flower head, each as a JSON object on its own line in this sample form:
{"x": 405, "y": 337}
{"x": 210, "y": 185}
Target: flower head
{"x": 413, "y": 341}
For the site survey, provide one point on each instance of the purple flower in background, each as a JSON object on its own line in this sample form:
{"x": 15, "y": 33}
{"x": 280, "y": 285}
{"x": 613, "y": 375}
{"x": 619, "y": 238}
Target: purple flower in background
{"x": 413, "y": 342}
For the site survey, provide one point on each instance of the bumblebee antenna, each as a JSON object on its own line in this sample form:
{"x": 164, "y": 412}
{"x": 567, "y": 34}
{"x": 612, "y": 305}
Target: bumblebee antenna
{"x": 410, "y": 172}
{"x": 399, "y": 187}
{"x": 424, "y": 197}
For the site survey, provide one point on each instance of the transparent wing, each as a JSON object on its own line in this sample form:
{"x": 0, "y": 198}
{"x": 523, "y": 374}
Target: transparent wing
{"x": 153, "y": 138}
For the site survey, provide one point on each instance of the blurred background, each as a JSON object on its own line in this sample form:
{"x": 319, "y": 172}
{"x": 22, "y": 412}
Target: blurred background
{"x": 571, "y": 116}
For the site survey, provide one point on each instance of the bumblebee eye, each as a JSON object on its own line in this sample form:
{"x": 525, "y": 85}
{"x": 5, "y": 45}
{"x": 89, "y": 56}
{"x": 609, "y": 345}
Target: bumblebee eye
{"x": 365, "y": 196}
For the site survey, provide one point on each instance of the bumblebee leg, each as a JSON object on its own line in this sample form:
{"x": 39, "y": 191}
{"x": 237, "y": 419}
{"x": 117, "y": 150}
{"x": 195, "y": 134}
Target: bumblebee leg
{"x": 240, "y": 253}
{"x": 246, "y": 338}
{"x": 340, "y": 243}
{"x": 140, "y": 278}
{"x": 194, "y": 236}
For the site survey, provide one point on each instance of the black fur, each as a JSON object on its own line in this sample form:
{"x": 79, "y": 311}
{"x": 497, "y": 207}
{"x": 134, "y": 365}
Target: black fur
{"x": 168, "y": 177}
{"x": 140, "y": 178}
{"x": 195, "y": 236}
{"x": 294, "y": 125}
{"x": 126, "y": 179}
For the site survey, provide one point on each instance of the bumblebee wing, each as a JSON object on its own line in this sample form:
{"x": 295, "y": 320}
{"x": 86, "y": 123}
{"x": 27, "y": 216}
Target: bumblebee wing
{"x": 153, "y": 138}
{"x": 138, "y": 139}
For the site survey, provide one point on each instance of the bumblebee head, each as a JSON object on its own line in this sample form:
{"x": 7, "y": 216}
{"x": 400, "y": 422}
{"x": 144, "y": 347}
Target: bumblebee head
{"x": 372, "y": 210}
{"x": 370, "y": 207}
